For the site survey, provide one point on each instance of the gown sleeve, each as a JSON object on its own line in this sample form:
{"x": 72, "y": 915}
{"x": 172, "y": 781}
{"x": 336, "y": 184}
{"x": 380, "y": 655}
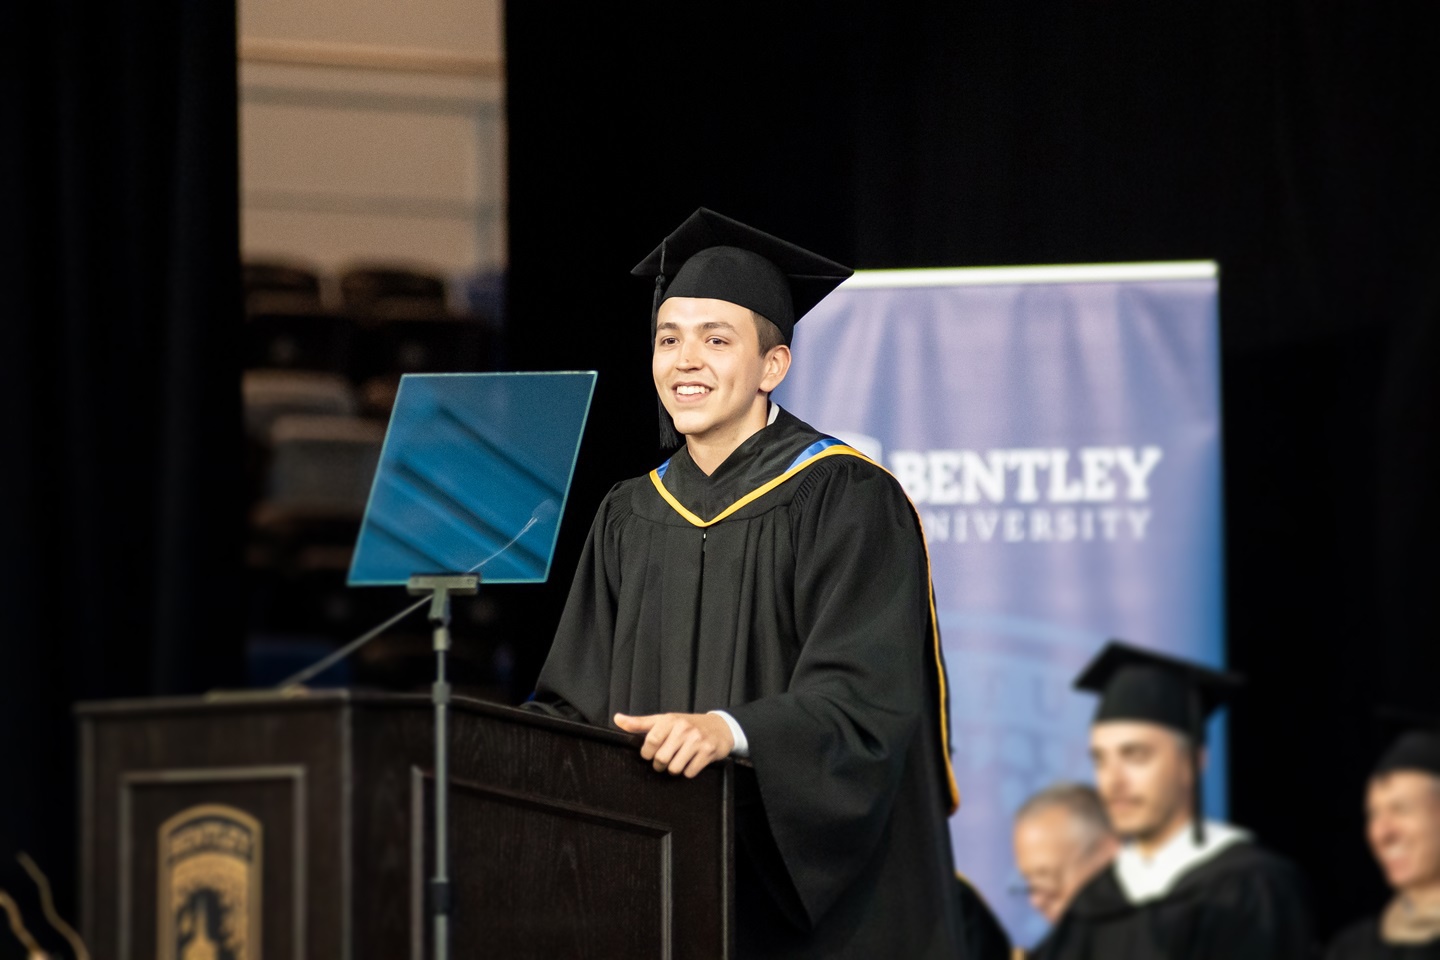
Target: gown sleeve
{"x": 581, "y": 649}
{"x": 829, "y": 753}
{"x": 1259, "y": 914}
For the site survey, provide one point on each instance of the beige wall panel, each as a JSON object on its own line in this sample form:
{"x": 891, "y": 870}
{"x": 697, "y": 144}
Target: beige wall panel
{"x": 346, "y": 164}
{"x": 373, "y": 130}
{"x": 347, "y": 146}
{"x": 469, "y": 28}
{"x": 334, "y": 240}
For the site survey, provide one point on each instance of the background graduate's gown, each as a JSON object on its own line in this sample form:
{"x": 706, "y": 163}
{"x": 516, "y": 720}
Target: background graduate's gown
{"x": 1243, "y": 904}
{"x": 802, "y": 607}
{"x": 1362, "y": 942}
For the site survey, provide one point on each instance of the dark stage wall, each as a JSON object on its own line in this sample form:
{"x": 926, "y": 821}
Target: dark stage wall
{"x": 1294, "y": 143}
{"x": 119, "y": 371}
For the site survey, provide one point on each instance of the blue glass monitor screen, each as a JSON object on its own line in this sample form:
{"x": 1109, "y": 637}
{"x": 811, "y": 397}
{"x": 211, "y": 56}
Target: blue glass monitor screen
{"x": 473, "y": 477}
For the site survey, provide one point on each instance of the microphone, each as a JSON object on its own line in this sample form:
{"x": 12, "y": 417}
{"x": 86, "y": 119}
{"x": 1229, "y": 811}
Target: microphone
{"x": 545, "y": 512}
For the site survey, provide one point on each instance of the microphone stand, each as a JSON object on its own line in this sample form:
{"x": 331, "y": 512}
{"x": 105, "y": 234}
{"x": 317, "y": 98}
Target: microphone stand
{"x": 440, "y": 587}
{"x": 436, "y": 590}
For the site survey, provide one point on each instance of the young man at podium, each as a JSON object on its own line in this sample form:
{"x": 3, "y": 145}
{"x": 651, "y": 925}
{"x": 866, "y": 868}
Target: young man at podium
{"x": 765, "y": 593}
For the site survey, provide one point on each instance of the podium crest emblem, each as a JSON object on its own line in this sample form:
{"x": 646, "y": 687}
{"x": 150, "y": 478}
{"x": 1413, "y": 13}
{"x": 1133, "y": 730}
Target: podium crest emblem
{"x": 209, "y": 885}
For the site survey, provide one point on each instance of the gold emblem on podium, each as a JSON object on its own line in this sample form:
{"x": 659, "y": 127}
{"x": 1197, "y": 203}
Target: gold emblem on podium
{"x": 209, "y": 893}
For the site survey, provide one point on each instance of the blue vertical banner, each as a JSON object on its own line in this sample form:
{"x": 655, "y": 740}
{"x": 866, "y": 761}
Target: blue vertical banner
{"x": 1058, "y": 429}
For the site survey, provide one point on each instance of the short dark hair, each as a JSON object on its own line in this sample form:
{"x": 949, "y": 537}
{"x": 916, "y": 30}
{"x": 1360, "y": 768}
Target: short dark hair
{"x": 769, "y": 335}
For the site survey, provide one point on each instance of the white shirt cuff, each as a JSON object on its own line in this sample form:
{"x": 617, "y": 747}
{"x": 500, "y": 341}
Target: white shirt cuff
{"x": 742, "y": 746}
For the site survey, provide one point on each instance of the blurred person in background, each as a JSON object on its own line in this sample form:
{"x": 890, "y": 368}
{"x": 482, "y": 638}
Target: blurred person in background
{"x": 1181, "y": 887}
{"x": 1402, "y": 810}
{"x": 1062, "y": 839}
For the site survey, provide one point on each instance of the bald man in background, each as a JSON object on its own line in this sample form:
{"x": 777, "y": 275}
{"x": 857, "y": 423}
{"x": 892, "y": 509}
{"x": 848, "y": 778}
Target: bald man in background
{"x": 1062, "y": 839}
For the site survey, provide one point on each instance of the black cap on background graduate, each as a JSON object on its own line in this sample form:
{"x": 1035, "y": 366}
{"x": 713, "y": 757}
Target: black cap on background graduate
{"x": 1413, "y": 742}
{"x": 1140, "y": 685}
{"x": 715, "y": 257}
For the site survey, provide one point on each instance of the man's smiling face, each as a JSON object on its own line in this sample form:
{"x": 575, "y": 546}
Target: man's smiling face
{"x": 710, "y": 373}
{"x": 1403, "y": 824}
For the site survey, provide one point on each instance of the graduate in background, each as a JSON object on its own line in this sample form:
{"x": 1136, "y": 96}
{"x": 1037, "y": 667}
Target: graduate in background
{"x": 1402, "y": 809}
{"x": 1181, "y": 888}
{"x": 765, "y": 593}
{"x": 1062, "y": 839}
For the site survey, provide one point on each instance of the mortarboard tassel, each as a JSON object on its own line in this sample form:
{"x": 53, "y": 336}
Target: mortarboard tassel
{"x": 1197, "y": 734}
{"x": 659, "y": 291}
{"x": 669, "y": 438}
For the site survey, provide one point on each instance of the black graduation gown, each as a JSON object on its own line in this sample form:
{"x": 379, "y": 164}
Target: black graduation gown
{"x": 985, "y": 938}
{"x": 806, "y": 614}
{"x": 1242, "y": 904}
{"x": 1361, "y": 941}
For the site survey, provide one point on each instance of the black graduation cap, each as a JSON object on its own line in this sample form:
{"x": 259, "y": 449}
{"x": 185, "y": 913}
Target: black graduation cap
{"x": 710, "y": 255}
{"x": 1414, "y": 742}
{"x": 1136, "y": 684}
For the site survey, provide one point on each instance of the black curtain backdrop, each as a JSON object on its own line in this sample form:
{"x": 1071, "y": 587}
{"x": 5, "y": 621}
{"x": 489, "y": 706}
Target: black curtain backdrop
{"x": 121, "y": 530}
{"x": 1293, "y": 142}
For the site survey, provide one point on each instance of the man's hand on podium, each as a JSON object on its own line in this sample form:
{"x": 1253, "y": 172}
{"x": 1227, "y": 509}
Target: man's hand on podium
{"x": 681, "y": 742}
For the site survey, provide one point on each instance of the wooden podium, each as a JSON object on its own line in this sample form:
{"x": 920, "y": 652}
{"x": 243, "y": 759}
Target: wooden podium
{"x": 298, "y": 827}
